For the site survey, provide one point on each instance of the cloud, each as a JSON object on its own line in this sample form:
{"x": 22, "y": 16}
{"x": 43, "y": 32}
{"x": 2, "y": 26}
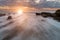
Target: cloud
{"x": 29, "y": 3}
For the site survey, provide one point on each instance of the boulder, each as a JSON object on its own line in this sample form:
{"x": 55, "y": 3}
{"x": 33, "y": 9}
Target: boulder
{"x": 57, "y": 13}
{"x": 9, "y": 17}
{"x": 37, "y": 13}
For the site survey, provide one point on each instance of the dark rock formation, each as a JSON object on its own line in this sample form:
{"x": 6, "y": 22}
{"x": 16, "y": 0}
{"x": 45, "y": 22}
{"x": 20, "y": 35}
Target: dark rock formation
{"x": 38, "y": 13}
{"x": 55, "y": 16}
{"x": 2, "y": 15}
{"x": 46, "y": 14}
{"x": 9, "y": 17}
{"x": 57, "y": 13}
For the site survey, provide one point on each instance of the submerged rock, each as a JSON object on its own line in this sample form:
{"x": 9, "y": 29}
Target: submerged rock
{"x": 46, "y": 14}
{"x": 57, "y": 18}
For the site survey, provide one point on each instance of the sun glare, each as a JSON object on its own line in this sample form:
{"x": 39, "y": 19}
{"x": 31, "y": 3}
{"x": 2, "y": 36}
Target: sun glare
{"x": 20, "y": 12}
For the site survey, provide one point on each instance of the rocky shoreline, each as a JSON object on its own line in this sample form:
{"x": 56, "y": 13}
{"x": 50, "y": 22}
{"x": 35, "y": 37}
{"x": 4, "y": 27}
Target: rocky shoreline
{"x": 55, "y": 16}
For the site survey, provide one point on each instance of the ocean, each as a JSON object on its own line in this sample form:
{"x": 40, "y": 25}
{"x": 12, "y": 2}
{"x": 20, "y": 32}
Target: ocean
{"x": 28, "y": 26}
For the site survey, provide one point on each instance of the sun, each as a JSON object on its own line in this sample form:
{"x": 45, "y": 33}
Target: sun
{"x": 20, "y": 11}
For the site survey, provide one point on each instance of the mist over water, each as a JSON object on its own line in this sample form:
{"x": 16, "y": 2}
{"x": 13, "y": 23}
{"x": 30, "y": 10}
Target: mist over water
{"x": 28, "y": 26}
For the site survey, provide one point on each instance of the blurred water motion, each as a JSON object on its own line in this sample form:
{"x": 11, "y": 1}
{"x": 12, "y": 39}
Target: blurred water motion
{"x": 28, "y": 26}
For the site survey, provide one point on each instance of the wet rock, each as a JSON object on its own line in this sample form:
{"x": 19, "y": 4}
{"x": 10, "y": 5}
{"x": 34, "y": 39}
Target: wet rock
{"x": 2, "y": 15}
{"x": 46, "y": 14}
{"x": 55, "y": 16}
{"x": 38, "y": 13}
{"x": 9, "y": 17}
{"x": 57, "y": 13}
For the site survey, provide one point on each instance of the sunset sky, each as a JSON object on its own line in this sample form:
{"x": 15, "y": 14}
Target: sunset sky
{"x": 31, "y": 3}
